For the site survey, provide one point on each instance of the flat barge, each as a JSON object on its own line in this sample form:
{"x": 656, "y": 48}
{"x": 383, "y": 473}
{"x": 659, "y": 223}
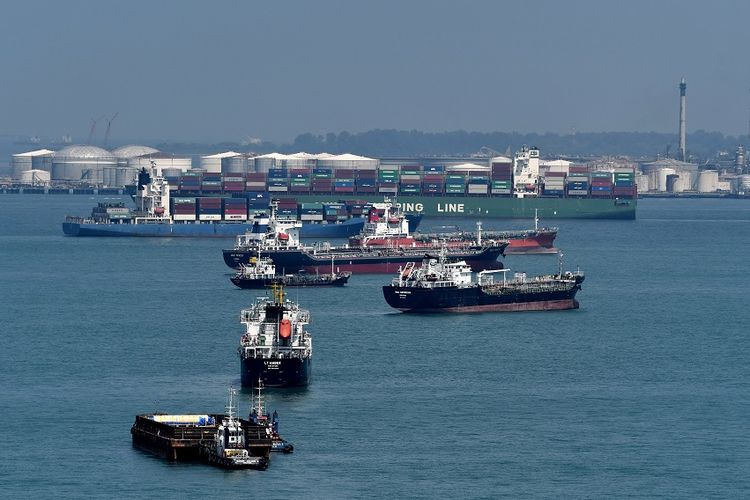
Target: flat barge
{"x": 181, "y": 437}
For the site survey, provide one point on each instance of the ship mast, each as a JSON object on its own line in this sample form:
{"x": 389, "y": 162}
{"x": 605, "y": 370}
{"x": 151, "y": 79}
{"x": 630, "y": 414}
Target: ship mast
{"x": 230, "y": 408}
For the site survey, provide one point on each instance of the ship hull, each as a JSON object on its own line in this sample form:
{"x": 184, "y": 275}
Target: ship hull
{"x": 540, "y": 242}
{"x": 370, "y": 262}
{"x": 294, "y": 372}
{"x": 505, "y": 207}
{"x": 473, "y": 299}
{"x": 343, "y": 229}
{"x": 291, "y": 280}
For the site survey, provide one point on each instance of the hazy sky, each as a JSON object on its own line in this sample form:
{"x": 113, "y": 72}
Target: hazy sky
{"x": 213, "y": 70}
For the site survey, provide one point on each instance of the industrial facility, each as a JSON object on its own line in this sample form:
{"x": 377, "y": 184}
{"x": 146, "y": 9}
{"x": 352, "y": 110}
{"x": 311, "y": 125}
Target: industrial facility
{"x": 95, "y": 167}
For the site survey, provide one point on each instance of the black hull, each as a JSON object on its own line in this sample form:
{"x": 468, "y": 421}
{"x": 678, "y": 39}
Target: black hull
{"x": 293, "y": 372}
{"x": 292, "y": 280}
{"x": 473, "y": 299}
{"x": 371, "y": 261}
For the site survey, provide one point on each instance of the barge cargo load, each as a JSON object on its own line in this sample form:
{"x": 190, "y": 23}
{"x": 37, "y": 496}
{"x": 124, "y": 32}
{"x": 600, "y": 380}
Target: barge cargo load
{"x": 180, "y": 436}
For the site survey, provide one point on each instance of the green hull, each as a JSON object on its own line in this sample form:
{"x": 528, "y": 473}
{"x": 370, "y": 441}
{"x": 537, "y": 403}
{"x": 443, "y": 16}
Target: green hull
{"x": 498, "y": 207}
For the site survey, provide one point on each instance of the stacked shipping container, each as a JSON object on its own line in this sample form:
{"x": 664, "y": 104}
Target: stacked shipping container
{"x": 554, "y": 184}
{"x": 502, "y": 177}
{"x": 624, "y": 183}
{"x": 235, "y": 208}
{"x": 601, "y": 184}
{"x": 409, "y": 180}
{"x": 183, "y": 208}
{"x": 209, "y": 208}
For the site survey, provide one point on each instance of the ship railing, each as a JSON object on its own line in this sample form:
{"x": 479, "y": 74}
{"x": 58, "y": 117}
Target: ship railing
{"x": 530, "y": 287}
{"x": 78, "y": 220}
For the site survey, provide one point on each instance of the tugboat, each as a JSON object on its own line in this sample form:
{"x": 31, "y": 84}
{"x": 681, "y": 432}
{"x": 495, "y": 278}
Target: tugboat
{"x": 276, "y": 347}
{"x": 227, "y": 449}
{"x": 220, "y": 439}
{"x": 260, "y": 416}
{"x": 443, "y": 286}
{"x": 261, "y": 272}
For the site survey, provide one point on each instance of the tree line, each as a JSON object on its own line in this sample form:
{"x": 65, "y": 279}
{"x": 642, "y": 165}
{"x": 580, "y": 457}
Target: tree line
{"x": 380, "y": 143}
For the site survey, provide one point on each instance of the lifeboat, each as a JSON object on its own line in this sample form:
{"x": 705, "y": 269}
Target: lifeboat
{"x": 285, "y": 329}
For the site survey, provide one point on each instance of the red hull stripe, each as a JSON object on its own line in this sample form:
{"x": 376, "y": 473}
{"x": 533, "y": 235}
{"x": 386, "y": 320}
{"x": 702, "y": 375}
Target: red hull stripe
{"x": 545, "y": 305}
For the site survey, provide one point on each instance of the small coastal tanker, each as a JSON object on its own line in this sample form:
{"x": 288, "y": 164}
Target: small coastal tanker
{"x": 443, "y": 286}
{"x": 276, "y": 348}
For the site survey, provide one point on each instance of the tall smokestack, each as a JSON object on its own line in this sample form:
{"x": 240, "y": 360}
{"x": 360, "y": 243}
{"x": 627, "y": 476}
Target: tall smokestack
{"x": 683, "y": 86}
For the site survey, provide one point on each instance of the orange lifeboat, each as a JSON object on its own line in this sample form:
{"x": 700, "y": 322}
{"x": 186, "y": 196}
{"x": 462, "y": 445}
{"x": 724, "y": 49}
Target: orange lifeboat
{"x": 283, "y": 236}
{"x": 285, "y": 329}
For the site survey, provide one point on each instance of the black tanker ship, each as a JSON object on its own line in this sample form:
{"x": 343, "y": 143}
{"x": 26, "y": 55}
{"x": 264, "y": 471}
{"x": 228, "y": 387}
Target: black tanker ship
{"x": 395, "y": 249}
{"x": 442, "y": 286}
{"x": 364, "y": 260}
{"x": 276, "y": 349}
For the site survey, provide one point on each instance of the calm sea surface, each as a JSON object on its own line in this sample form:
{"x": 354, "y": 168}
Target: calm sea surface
{"x": 643, "y": 391}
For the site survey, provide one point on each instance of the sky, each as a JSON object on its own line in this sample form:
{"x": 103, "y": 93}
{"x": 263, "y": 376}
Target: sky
{"x": 229, "y": 71}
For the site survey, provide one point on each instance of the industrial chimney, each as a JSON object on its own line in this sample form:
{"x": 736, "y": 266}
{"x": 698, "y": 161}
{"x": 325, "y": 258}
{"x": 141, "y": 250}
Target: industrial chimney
{"x": 683, "y": 86}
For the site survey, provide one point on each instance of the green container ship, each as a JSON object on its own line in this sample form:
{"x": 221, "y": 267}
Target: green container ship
{"x": 502, "y": 207}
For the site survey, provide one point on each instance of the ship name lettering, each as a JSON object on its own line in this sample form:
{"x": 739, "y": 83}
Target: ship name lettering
{"x": 411, "y": 207}
{"x": 450, "y": 207}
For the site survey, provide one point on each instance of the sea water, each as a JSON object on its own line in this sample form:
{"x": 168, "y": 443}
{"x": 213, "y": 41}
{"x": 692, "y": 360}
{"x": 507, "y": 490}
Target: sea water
{"x": 644, "y": 390}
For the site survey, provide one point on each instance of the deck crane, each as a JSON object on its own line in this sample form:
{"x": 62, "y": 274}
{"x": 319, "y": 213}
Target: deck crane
{"x": 93, "y": 129}
{"x": 109, "y": 126}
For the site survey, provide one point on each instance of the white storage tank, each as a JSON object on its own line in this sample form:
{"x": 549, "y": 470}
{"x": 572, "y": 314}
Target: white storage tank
{"x": 212, "y": 163}
{"x": 41, "y": 159}
{"x": 743, "y": 184}
{"x": 468, "y": 169}
{"x": 109, "y": 175}
{"x": 162, "y": 161}
{"x": 348, "y": 161}
{"x": 35, "y": 177}
{"x": 125, "y": 176}
{"x": 678, "y": 183}
{"x": 125, "y": 153}
{"x": 301, "y": 160}
{"x": 642, "y": 182}
{"x": 708, "y": 181}
{"x": 82, "y": 163}
{"x": 236, "y": 165}
{"x": 265, "y": 162}
{"x": 661, "y": 178}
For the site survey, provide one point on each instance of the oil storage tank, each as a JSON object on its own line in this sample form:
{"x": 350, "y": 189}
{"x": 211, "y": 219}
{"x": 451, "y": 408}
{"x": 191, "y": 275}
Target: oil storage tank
{"x": 35, "y": 177}
{"x": 708, "y": 181}
{"x": 41, "y": 159}
{"x": 162, "y": 161}
{"x": 82, "y": 163}
{"x": 236, "y": 165}
{"x": 212, "y": 163}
